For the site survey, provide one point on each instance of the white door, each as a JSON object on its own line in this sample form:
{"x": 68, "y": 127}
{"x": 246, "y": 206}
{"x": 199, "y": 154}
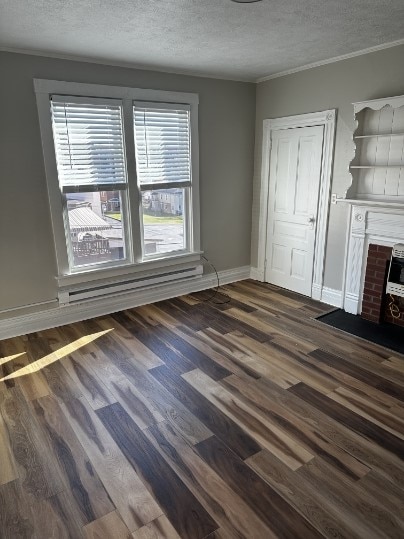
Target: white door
{"x": 294, "y": 182}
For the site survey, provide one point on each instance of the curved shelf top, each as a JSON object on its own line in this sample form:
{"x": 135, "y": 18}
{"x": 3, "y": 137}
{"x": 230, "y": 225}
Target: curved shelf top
{"x": 377, "y": 104}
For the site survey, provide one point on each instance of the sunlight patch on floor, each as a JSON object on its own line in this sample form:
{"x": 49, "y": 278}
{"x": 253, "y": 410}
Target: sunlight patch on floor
{"x": 10, "y": 358}
{"x": 54, "y": 356}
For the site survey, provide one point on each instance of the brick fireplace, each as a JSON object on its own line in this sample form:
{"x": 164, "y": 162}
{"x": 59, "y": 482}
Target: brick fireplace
{"x": 375, "y": 303}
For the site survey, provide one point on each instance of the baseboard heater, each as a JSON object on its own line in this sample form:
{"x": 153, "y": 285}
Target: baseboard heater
{"x": 123, "y": 286}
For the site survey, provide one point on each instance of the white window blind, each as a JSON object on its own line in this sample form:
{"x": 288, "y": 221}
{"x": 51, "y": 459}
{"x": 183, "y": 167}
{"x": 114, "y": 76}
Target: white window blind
{"x": 162, "y": 140}
{"x": 89, "y": 144}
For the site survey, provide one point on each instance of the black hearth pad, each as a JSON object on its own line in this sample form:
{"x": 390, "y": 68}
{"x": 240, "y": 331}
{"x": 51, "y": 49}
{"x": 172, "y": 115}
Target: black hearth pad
{"x": 383, "y": 334}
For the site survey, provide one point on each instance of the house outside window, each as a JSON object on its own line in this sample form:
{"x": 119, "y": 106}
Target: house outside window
{"x": 122, "y": 174}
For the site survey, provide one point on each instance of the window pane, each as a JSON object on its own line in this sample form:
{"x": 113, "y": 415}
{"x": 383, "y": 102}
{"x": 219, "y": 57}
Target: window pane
{"x": 163, "y": 221}
{"x": 96, "y": 227}
{"x": 88, "y": 143}
{"x": 162, "y": 141}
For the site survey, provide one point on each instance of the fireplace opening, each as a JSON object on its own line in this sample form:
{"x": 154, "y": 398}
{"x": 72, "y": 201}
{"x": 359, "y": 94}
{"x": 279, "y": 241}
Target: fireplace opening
{"x": 377, "y": 305}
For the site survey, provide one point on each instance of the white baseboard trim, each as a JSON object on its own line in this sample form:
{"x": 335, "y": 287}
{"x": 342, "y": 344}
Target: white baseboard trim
{"x": 351, "y": 303}
{"x": 332, "y": 297}
{"x": 256, "y": 274}
{"x": 59, "y": 316}
{"x": 316, "y": 292}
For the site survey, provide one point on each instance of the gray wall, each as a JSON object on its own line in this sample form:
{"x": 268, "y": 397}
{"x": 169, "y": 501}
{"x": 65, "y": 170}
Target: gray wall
{"x": 337, "y": 85}
{"x": 226, "y": 123}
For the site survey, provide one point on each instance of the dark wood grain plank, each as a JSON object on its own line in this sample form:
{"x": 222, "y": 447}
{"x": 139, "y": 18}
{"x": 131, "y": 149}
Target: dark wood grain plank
{"x": 305, "y": 432}
{"x": 197, "y": 358}
{"x": 127, "y": 492}
{"x": 300, "y": 496}
{"x": 160, "y": 528}
{"x": 266, "y": 502}
{"x": 89, "y": 386}
{"x": 252, "y": 420}
{"x": 110, "y": 525}
{"x": 350, "y": 419}
{"x": 361, "y": 448}
{"x": 351, "y": 503}
{"x": 225, "y": 358}
{"x": 168, "y": 356}
{"x": 235, "y": 517}
{"x": 225, "y": 324}
{"x": 36, "y": 466}
{"x": 91, "y": 499}
{"x": 181, "y": 314}
{"x": 183, "y": 510}
{"x": 159, "y": 398}
{"x": 366, "y": 376}
{"x": 56, "y": 376}
{"x": 8, "y": 466}
{"x": 15, "y": 517}
{"x": 224, "y": 428}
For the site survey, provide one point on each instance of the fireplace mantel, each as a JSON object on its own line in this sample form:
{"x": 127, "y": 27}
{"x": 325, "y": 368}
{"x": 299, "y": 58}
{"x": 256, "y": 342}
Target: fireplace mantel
{"x": 378, "y": 224}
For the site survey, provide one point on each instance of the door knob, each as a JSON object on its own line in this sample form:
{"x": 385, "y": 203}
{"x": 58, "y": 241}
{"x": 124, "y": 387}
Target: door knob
{"x": 311, "y": 219}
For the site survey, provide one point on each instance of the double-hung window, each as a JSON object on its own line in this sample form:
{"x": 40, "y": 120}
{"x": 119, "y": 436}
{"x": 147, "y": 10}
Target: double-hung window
{"x": 122, "y": 172}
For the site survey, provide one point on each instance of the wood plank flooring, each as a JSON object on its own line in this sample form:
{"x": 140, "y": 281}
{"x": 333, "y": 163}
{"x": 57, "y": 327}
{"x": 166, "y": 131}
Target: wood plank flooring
{"x": 191, "y": 419}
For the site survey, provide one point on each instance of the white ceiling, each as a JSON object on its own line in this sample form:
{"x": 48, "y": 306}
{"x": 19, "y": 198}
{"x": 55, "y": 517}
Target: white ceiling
{"x": 210, "y": 37}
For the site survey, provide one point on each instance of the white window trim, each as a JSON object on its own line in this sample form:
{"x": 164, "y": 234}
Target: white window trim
{"x": 43, "y": 90}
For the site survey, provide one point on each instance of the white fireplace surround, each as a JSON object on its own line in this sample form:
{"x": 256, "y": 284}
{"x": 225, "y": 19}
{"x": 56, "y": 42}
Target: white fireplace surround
{"x": 370, "y": 223}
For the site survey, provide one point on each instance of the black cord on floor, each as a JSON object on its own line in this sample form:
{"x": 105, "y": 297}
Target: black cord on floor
{"x": 217, "y": 288}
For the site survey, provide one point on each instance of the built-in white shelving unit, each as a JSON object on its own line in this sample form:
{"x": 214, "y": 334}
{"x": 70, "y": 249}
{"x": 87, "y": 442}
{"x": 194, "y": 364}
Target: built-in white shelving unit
{"x": 377, "y": 169}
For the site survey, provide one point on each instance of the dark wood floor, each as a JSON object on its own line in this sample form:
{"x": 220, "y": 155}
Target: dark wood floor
{"x": 191, "y": 419}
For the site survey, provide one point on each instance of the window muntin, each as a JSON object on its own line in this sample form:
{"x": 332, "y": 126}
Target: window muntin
{"x": 89, "y": 148}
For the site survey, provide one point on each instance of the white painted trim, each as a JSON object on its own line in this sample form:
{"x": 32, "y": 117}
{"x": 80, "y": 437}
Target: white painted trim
{"x": 332, "y": 297}
{"x": 326, "y": 118}
{"x": 48, "y": 87}
{"x": 256, "y": 274}
{"x": 351, "y": 303}
{"x": 45, "y": 319}
{"x": 382, "y": 226}
{"x": 387, "y": 203}
{"x": 377, "y": 104}
{"x": 376, "y": 48}
{"x": 316, "y": 292}
{"x": 29, "y": 306}
{"x": 127, "y": 65}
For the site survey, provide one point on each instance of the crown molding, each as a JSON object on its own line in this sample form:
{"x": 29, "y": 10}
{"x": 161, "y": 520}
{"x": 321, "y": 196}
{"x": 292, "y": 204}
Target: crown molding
{"x": 376, "y": 48}
{"x": 160, "y": 69}
{"x": 127, "y": 65}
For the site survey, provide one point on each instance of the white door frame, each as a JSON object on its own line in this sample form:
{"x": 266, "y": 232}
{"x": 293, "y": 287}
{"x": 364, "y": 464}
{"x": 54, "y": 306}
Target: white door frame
{"x": 327, "y": 119}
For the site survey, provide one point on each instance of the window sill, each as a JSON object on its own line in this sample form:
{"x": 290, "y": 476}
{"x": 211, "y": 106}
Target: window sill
{"x": 128, "y": 270}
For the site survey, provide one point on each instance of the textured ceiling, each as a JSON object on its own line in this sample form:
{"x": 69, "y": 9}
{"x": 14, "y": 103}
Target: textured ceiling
{"x": 212, "y": 37}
